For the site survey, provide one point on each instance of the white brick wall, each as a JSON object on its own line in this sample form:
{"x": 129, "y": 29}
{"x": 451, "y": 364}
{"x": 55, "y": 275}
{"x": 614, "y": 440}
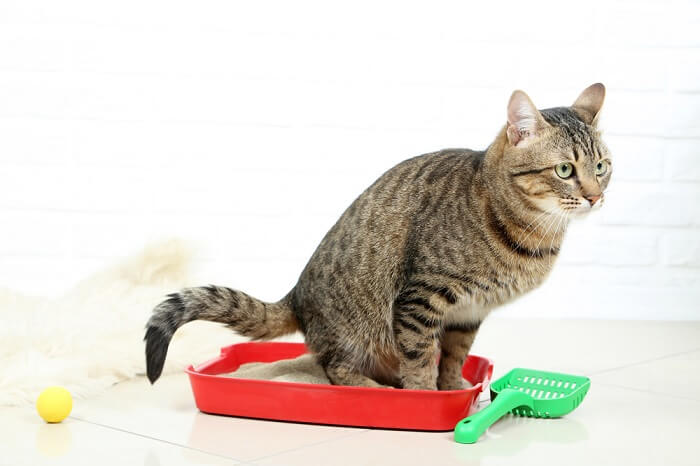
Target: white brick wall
{"x": 249, "y": 127}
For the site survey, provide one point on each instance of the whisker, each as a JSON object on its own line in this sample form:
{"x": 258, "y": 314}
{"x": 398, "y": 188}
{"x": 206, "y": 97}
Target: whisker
{"x": 539, "y": 264}
{"x": 536, "y": 218}
{"x": 551, "y": 244}
{"x": 540, "y": 220}
{"x": 554, "y": 218}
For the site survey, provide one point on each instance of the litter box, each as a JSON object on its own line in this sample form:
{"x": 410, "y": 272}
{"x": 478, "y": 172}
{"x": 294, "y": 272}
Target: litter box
{"x": 387, "y": 408}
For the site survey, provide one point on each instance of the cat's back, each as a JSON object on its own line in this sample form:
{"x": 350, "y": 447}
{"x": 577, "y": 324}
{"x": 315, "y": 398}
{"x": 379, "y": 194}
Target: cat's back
{"x": 434, "y": 167}
{"x": 402, "y": 189}
{"x": 349, "y": 284}
{"x": 393, "y": 200}
{"x": 371, "y": 235}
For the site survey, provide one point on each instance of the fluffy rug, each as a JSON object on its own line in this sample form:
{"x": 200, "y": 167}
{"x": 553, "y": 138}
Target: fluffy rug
{"x": 91, "y": 337}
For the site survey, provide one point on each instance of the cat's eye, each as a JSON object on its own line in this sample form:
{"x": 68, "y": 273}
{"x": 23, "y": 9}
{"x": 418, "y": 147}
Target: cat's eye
{"x": 564, "y": 170}
{"x": 601, "y": 168}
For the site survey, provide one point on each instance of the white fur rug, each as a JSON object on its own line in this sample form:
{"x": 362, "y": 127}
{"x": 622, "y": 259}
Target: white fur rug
{"x": 91, "y": 337}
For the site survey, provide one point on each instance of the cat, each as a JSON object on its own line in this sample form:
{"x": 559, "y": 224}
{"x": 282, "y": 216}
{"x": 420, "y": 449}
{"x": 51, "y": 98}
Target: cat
{"x": 418, "y": 260}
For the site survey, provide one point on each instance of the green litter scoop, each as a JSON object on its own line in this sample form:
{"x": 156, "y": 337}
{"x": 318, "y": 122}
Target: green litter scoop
{"x": 525, "y": 392}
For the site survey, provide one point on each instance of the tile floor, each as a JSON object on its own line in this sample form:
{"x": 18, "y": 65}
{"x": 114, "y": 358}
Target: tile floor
{"x": 643, "y": 408}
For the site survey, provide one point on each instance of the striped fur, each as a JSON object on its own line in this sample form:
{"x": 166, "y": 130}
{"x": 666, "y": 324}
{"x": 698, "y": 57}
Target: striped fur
{"x": 415, "y": 264}
{"x": 244, "y": 314}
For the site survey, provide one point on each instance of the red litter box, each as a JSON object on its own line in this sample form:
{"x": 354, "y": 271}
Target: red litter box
{"x": 329, "y": 404}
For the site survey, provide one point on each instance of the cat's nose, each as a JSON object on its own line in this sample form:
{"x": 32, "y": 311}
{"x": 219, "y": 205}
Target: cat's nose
{"x": 592, "y": 199}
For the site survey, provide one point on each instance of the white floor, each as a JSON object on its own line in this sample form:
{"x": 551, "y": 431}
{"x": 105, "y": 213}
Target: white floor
{"x": 643, "y": 408}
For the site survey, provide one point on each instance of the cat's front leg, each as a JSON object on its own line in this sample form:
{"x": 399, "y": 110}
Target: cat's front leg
{"x": 455, "y": 345}
{"x": 417, "y": 332}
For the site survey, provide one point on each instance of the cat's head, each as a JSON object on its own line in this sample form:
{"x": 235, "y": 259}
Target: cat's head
{"x": 556, "y": 157}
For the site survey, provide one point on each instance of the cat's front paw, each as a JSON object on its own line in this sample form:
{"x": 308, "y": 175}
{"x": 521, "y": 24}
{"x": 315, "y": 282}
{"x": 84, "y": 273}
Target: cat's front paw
{"x": 454, "y": 384}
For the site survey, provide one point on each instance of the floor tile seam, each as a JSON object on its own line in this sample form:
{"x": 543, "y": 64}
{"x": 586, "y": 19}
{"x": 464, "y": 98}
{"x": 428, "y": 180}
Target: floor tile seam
{"x": 156, "y": 439}
{"x": 650, "y": 392}
{"x": 646, "y": 361}
{"x": 311, "y": 445}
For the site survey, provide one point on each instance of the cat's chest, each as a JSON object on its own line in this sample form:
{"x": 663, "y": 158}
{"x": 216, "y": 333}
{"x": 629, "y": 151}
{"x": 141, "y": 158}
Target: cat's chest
{"x": 475, "y": 302}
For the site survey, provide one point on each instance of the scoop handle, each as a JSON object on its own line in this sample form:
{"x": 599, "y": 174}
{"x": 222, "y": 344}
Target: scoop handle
{"x": 469, "y": 429}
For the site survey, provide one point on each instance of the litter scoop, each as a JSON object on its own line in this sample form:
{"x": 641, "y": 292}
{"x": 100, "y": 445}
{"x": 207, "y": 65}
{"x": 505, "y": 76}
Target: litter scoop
{"x": 525, "y": 392}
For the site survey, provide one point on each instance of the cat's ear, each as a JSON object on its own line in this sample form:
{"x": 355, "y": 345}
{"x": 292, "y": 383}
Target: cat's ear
{"x": 590, "y": 102}
{"x": 524, "y": 120}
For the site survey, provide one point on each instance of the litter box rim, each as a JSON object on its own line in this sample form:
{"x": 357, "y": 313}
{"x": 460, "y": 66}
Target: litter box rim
{"x": 328, "y": 404}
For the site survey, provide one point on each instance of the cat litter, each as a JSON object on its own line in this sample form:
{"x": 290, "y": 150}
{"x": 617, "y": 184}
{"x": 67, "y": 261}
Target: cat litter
{"x": 217, "y": 393}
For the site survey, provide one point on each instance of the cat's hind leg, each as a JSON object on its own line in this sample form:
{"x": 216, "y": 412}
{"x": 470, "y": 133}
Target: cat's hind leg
{"x": 341, "y": 371}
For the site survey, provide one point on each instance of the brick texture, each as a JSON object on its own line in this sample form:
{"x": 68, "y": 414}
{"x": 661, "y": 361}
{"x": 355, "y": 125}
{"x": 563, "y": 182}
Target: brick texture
{"x": 249, "y": 127}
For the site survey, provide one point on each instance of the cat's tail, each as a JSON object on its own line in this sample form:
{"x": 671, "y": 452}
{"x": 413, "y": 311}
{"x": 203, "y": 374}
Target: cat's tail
{"x": 244, "y": 314}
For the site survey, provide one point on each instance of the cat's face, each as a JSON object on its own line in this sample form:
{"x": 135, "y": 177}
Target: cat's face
{"x": 556, "y": 157}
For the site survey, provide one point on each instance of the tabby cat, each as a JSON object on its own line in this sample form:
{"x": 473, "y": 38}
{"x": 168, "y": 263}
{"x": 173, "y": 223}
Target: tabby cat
{"x": 415, "y": 264}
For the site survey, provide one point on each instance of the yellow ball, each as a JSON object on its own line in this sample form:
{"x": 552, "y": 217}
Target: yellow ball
{"x": 54, "y": 404}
